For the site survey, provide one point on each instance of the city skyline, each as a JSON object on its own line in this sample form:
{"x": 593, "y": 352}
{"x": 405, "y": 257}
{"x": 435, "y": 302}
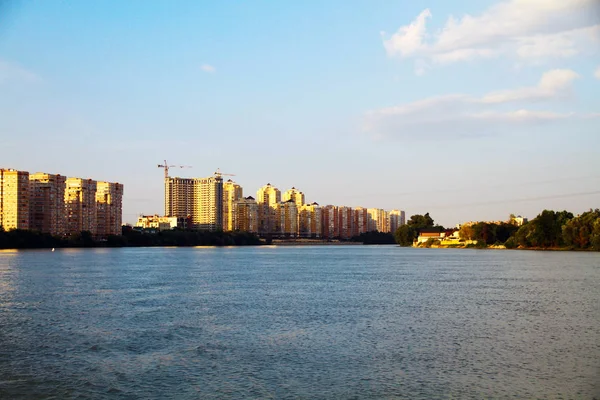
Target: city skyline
{"x": 452, "y": 109}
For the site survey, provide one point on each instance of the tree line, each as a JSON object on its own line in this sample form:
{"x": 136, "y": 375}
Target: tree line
{"x": 549, "y": 230}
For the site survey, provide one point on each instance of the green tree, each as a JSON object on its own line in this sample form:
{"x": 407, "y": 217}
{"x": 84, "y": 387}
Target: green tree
{"x": 418, "y": 221}
{"x": 405, "y": 235}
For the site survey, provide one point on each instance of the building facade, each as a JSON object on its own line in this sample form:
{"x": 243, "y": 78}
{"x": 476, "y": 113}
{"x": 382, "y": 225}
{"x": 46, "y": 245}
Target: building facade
{"x": 268, "y": 197}
{"x": 295, "y": 195}
{"x": 309, "y": 217}
{"x": 207, "y": 210}
{"x": 14, "y": 199}
{"x": 109, "y": 208}
{"x": 80, "y": 205}
{"x": 246, "y": 215}
{"x": 47, "y": 211}
{"x": 179, "y": 197}
{"x": 397, "y": 218}
{"x": 232, "y": 192}
{"x": 287, "y": 218}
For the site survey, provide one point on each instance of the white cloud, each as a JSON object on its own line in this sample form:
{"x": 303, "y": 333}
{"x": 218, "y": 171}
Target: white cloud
{"x": 529, "y": 29}
{"x": 553, "y": 83}
{"x": 464, "y": 115}
{"x": 14, "y": 72}
{"x": 597, "y": 73}
{"x": 208, "y": 68}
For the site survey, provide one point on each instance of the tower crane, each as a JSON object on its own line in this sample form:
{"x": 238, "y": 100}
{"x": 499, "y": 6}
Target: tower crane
{"x": 166, "y": 167}
{"x": 218, "y": 173}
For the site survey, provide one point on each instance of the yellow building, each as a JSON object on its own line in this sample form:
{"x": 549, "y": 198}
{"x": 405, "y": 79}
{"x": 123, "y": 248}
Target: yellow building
{"x": 309, "y": 217}
{"x": 80, "y": 203}
{"x": 232, "y": 192}
{"x": 47, "y": 212}
{"x": 287, "y": 218}
{"x": 179, "y": 197}
{"x": 207, "y": 211}
{"x": 268, "y": 197}
{"x": 14, "y": 199}
{"x": 397, "y": 218}
{"x": 245, "y": 215}
{"x": 159, "y": 223}
{"x": 378, "y": 220}
{"x": 109, "y": 208}
{"x": 295, "y": 195}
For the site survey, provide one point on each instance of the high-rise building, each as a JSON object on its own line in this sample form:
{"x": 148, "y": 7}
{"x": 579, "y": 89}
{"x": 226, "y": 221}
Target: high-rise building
{"x": 378, "y": 220}
{"x": 295, "y": 195}
{"x": 309, "y": 225}
{"x": 232, "y": 192}
{"x": 287, "y": 218}
{"x": 397, "y": 218}
{"x": 207, "y": 211}
{"x": 179, "y": 197}
{"x": 361, "y": 221}
{"x": 246, "y": 214}
{"x": 80, "y": 203}
{"x": 345, "y": 218}
{"x": 109, "y": 208}
{"x": 47, "y": 212}
{"x": 14, "y": 199}
{"x": 330, "y": 227}
{"x": 268, "y": 197}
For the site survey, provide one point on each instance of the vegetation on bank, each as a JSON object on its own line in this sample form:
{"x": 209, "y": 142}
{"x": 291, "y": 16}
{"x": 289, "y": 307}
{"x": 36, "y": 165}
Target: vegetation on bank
{"x": 549, "y": 230}
{"x": 374, "y": 237}
{"x": 24, "y": 239}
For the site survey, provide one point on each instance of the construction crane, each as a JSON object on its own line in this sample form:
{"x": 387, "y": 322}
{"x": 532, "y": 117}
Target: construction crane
{"x": 218, "y": 173}
{"x": 166, "y": 167}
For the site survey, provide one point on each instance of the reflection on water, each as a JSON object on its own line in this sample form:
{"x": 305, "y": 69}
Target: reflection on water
{"x": 298, "y": 322}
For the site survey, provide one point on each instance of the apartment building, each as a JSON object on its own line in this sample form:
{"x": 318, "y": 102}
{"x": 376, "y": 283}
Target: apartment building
{"x": 287, "y": 218}
{"x": 345, "y": 222}
{"x": 268, "y": 197}
{"x": 207, "y": 204}
{"x": 232, "y": 192}
{"x": 245, "y": 214}
{"x": 397, "y": 218}
{"x": 109, "y": 208}
{"x": 14, "y": 199}
{"x": 159, "y": 223}
{"x": 361, "y": 221}
{"x": 80, "y": 205}
{"x": 47, "y": 211}
{"x": 309, "y": 221}
{"x": 295, "y": 195}
{"x": 329, "y": 222}
{"x": 179, "y": 197}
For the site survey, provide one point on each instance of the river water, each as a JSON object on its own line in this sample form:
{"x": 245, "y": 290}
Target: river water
{"x": 330, "y": 322}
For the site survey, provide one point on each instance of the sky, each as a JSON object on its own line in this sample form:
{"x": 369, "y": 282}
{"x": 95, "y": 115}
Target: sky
{"x": 468, "y": 110}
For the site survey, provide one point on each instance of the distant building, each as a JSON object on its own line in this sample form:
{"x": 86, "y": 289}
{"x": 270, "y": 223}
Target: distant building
{"x": 345, "y": 222}
{"x": 232, "y": 192}
{"x": 268, "y": 197}
{"x": 80, "y": 203}
{"x": 287, "y": 218}
{"x": 47, "y": 211}
{"x": 160, "y": 223}
{"x": 309, "y": 218}
{"x": 378, "y": 220}
{"x": 245, "y": 215}
{"x": 329, "y": 222}
{"x": 179, "y": 196}
{"x": 397, "y": 218}
{"x": 109, "y": 208}
{"x": 295, "y": 195}
{"x": 518, "y": 220}
{"x": 361, "y": 221}
{"x": 14, "y": 199}
{"x": 207, "y": 212}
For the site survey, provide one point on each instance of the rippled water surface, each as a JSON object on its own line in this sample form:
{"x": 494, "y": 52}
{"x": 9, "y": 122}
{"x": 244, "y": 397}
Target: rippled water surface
{"x": 299, "y": 322}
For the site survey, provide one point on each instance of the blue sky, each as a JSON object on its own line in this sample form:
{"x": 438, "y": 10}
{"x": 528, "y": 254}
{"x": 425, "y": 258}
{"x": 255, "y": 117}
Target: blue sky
{"x": 469, "y": 110}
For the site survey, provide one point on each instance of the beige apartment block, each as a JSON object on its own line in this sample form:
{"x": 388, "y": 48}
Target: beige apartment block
{"x": 378, "y": 220}
{"x": 14, "y": 199}
{"x": 109, "y": 208}
{"x": 295, "y": 195}
{"x": 232, "y": 192}
{"x": 268, "y": 197}
{"x": 245, "y": 215}
{"x": 287, "y": 218}
{"x": 47, "y": 211}
{"x": 309, "y": 221}
{"x": 80, "y": 203}
{"x": 207, "y": 211}
{"x": 179, "y": 197}
{"x": 158, "y": 222}
{"x": 397, "y": 218}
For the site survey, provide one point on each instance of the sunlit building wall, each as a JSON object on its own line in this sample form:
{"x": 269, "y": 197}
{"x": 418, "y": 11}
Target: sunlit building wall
{"x": 246, "y": 215}
{"x": 47, "y": 211}
{"x": 14, "y": 199}
{"x": 232, "y": 192}
{"x": 109, "y": 208}
{"x": 80, "y": 203}
{"x": 268, "y": 197}
{"x": 207, "y": 211}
